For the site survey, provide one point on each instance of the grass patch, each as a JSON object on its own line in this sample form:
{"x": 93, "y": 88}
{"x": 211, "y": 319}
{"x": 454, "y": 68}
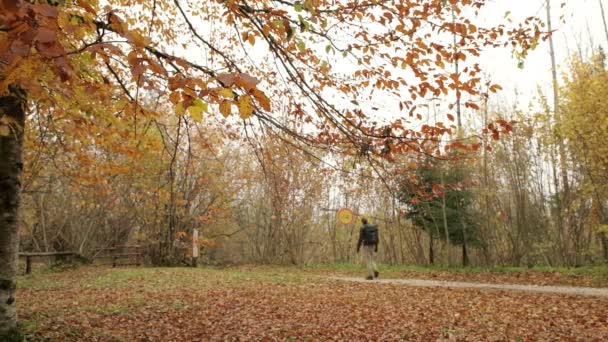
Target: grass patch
{"x": 160, "y": 278}
{"x": 119, "y": 278}
{"x": 37, "y": 282}
{"x": 280, "y": 275}
{"x": 13, "y": 335}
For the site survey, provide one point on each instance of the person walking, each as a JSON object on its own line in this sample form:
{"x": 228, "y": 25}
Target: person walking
{"x": 369, "y": 237}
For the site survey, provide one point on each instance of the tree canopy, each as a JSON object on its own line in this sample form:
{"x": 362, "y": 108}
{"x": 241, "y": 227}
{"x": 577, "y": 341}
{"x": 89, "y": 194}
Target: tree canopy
{"x": 317, "y": 60}
{"x": 106, "y": 84}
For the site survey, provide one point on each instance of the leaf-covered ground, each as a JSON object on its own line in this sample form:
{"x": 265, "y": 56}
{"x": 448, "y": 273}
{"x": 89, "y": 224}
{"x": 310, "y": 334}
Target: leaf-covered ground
{"x": 264, "y": 303}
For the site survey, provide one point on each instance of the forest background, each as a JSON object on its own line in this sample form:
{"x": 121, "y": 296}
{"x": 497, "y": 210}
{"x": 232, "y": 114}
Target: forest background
{"x": 511, "y": 177}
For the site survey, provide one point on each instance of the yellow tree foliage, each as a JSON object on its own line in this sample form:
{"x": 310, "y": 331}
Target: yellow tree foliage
{"x": 584, "y": 125}
{"x": 584, "y": 120}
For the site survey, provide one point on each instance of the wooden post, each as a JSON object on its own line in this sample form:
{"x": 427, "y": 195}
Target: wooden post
{"x": 195, "y": 249}
{"x": 137, "y": 256}
{"x": 28, "y": 264}
{"x": 114, "y": 260}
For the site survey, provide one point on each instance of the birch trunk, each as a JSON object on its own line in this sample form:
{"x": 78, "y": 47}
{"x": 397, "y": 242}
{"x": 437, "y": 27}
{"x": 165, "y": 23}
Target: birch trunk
{"x": 562, "y": 202}
{"x": 604, "y": 19}
{"x": 11, "y": 107}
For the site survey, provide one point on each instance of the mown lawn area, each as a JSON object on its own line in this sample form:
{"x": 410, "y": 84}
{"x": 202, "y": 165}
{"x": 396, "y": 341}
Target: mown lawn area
{"x": 303, "y": 304}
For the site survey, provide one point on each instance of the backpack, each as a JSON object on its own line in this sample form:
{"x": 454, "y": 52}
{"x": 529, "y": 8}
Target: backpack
{"x": 370, "y": 234}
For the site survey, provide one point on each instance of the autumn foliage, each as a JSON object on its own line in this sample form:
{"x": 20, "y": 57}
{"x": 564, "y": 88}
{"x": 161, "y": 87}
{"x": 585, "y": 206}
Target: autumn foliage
{"x": 147, "y": 119}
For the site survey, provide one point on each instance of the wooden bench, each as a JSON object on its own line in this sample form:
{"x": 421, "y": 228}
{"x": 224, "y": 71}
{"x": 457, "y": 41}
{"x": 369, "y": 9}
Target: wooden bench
{"x": 30, "y": 255}
{"x": 120, "y": 256}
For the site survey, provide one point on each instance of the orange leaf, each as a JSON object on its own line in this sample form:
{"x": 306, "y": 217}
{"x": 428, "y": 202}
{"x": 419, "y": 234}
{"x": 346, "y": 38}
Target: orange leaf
{"x": 175, "y": 97}
{"x": 246, "y": 81}
{"x": 495, "y": 87}
{"x": 226, "y": 108}
{"x": 262, "y": 99}
{"x": 226, "y": 79}
{"x": 471, "y": 105}
{"x": 157, "y": 68}
{"x": 87, "y": 7}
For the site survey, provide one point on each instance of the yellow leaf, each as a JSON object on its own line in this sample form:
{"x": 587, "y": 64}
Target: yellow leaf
{"x": 196, "y": 113}
{"x": 245, "y": 107}
{"x": 179, "y": 109}
{"x": 227, "y": 93}
{"x": 197, "y": 109}
{"x": 225, "y": 108}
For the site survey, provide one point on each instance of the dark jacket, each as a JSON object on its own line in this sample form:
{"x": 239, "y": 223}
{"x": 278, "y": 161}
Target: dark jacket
{"x": 365, "y": 229}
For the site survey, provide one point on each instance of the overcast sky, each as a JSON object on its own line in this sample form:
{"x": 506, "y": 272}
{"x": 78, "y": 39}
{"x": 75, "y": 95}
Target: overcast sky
{"x": 581, "y": 25}
{"x": 577, "y": 24}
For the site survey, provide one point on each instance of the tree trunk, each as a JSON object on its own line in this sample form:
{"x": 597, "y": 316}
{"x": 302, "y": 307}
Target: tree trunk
{"x": 465, "y": 254}
{"x": 431, "y": 252}
{"x": 486, "y": 187}
{"x": 445, "y": 224}
{"x": 457, "y": 72}
{"x": 604, "y": 19}
{"x": 12, "y": 107}
{"x": 557, "y": 115}
{"x": 605, "y": 245}
{"x": 563, "y": 199}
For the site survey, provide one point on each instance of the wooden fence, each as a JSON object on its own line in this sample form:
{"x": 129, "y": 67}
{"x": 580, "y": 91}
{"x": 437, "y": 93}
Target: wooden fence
{"x": 119, "y": 256}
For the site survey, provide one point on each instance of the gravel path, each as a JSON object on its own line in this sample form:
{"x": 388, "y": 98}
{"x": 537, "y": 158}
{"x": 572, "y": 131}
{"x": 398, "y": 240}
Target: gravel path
{"x": 568, "y": 290}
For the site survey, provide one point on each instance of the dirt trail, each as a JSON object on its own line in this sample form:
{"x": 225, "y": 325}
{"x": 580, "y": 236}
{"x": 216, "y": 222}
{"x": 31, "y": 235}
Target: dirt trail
{"x": 568, "y": 290}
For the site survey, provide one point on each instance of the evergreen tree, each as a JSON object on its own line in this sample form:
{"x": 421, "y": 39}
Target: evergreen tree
{"x": 441, "y": 204}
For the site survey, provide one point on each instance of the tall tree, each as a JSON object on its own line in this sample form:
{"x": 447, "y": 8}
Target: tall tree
{"x": 12, "y": 116}
{"x": 442, "y": 197}
{"x": 90, "y": 62}
{"x": 584, "y": 124}
{"x": 564, "y": 195}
